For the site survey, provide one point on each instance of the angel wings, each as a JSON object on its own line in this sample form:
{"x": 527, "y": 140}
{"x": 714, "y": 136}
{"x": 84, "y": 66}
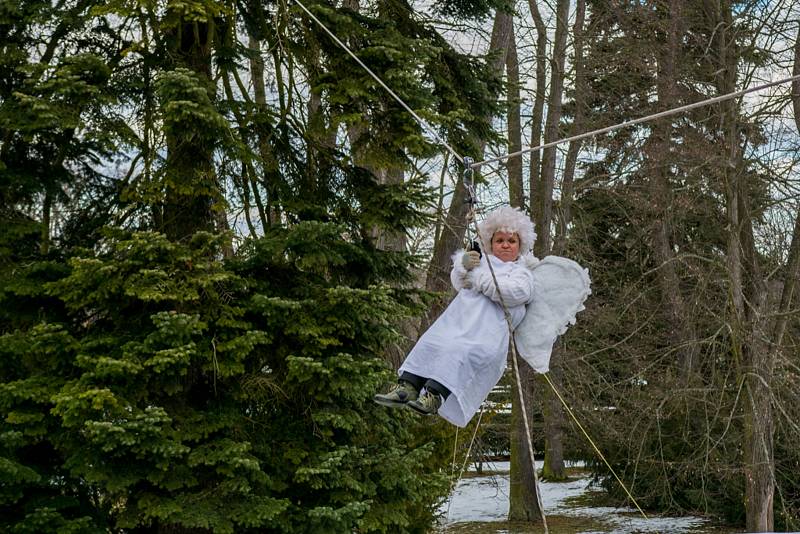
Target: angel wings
{"x": 560, "y": 288}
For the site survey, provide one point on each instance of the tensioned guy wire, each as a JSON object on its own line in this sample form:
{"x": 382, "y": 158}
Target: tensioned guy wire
{"x": 399, "y": 100}
{"x": 640, "y": 120}
{"x": 655, "y": 116}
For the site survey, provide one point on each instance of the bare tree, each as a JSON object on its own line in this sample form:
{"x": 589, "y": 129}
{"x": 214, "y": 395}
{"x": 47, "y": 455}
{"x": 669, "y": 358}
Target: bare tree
{"x": 516, "y": 195}
{"x": 578, "y": 126}
{"x": 523, "y": 502}
{"x": 539, "y": 96}
{"x": 542, "y": 211}
{"x": 748, "y": 292}
{"x": 455, "y": 223}
{"x": 659, "y": 161}
{"x": 793, "y": 261}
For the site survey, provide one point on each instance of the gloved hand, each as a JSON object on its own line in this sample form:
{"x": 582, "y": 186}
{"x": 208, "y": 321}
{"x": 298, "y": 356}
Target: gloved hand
{"x": 471, "y": 259}
{"x": 466, "y": 282}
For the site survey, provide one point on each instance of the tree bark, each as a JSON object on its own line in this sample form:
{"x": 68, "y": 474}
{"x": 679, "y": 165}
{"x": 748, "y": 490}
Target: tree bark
{"x": 553, "y": 412}
{"x": 793, "y": 262}
{"x": 455, "y": 225}
{"x": 659, "y": 162}
{"x": 760, "y": 359}
{"x": 47, "y": 209}
{"x": 190, "y": 175}
{"x": 523, "y": 502}
{"x": 748, "y": 299}
{"x": 537, "y": 114}
{"x": 516, "y": 196}
{"x": 578, "y": 127}
{"x": 544, "y": 192}
{"x": 268, "y": 162}
{"x": 554, "y": 421}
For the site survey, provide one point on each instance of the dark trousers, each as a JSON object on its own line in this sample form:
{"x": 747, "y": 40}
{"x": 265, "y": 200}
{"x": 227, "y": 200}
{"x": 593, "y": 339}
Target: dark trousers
{"x": 428, "y": 383}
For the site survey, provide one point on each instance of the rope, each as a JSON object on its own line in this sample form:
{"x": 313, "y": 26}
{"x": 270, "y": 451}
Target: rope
{"x": 547, "y": 377}
{"x": 454, "y": 483}
{"x": 647, "y": 118}
{"x": 507, "y": 315}
{"x": 472, "y": 199}
{"x": 399, "y": 100}
{"x": 527, "y": 427}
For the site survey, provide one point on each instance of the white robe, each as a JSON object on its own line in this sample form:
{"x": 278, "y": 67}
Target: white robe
{"x": 466, "y": 348}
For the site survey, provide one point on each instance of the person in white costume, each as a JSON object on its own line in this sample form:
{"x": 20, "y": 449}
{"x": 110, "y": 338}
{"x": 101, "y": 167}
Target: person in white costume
{"x": 459, "y": 359}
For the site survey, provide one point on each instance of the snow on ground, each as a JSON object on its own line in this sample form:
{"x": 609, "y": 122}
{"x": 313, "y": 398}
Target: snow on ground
{"x": 485, "y": 498}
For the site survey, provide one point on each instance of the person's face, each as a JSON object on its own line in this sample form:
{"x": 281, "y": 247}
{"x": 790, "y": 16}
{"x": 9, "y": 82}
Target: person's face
{"x": 505, "y": 246}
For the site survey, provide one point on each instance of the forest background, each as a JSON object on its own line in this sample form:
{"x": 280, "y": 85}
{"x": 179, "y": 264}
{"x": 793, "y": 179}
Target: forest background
{"x": 219, "y": 236}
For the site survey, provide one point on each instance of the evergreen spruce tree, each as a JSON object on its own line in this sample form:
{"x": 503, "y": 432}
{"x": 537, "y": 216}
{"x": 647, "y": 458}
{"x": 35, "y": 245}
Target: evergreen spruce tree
{"x": 150, "y": 382}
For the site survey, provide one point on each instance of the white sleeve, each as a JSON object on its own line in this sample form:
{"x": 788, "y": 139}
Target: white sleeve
{"x": 458, "y": 271}
{"x": 515, "y": 286}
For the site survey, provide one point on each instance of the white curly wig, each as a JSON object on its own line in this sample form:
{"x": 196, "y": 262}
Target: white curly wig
{"x": 508, "y": 219}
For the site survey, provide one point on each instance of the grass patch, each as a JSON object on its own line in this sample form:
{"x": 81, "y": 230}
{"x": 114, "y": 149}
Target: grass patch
{"x": 593, "y": 498}
{"x": 570, "y": 473}
{"x": 557, "y": 524}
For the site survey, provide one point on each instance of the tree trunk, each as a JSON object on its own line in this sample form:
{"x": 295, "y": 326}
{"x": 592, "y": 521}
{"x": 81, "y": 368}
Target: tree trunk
{"x": 553, "y": 412}
{"x": 578, "y": 127}
{"x": 268, "y": 162}
{"x": 555, "y": 422}
{"x": 455, "y": 225}
{"x": 440, "y": 199}
{"x": 748, "y": 296}
{"x": 793, "y": 262}
{"x": 759, "y": 430}
{"x": 190, "y": 176}
{"x": 148, "y": 122}
{"x": 383, "y": 240}
{"x": 537, "y": 114}
{"x": 47, "y": 209}
{"x": 659, "y": 163}
{"x": 516, "y": 196}
{"x": 544, "y": 192}
{"x": 523, "y": 502}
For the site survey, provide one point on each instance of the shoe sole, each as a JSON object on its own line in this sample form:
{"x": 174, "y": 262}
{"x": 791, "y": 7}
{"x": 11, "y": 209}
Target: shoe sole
{"x": 420, "y": 410}
{"x": 389, "y": 403}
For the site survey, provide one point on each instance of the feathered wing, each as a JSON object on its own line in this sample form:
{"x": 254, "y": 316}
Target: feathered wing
{"x": 560, "y": 288}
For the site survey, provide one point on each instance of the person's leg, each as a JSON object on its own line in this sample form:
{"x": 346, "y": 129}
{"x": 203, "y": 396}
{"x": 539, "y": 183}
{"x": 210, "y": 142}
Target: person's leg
{"x": 438, "y": 388}
{"x": 415, "y": 380}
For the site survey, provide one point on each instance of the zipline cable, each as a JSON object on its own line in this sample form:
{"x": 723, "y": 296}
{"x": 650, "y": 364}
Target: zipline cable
{"x": 469, "y": 166}
{"x": 647, "y": 118}
{"x": 425, "y": 126}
